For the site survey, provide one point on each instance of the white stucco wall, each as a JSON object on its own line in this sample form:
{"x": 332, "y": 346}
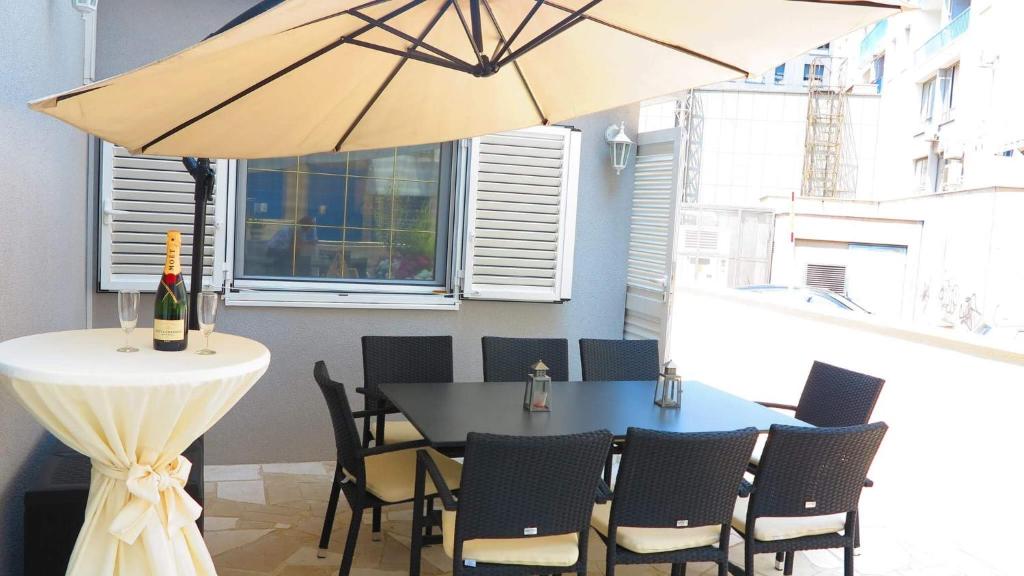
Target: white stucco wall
{"x": 42, "y": 235}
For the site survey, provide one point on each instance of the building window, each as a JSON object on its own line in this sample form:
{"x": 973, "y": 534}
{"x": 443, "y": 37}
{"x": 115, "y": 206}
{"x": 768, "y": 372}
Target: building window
{"x": 780, "y": 73}
{"x": 819, "y": 72}
{"x": 955, "y": 8}
{"x": 362, "y": 218}
{"x": 878, "y": 72}
{"x": 927, "y": 99}
{"x": 952, "y": 173}
{"x": 947, "y": 85}
{"x": 921, "y": 173}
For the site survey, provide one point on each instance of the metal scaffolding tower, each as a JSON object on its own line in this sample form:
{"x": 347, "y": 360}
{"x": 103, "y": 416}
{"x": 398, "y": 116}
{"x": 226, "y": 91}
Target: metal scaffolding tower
{"x": 830, "y": 164}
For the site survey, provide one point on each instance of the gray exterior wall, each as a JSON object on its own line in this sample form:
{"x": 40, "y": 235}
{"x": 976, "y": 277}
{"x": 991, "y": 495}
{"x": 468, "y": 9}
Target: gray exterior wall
{"x": 42, "y": 237}
{"x": 283, "y": 418}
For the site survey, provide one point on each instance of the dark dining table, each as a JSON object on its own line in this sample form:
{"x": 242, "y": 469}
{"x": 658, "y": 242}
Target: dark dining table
{"x": 444, "y": 413}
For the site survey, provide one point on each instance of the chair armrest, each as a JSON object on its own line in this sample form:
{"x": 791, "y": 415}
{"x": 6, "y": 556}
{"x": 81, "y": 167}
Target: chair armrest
{"x": 383, "y": 448}
{"x": 777, "y": 405}
{"x": 745, "y": 488}
{"x": 604, "y": 493}
{"x": 443, "y": 491}
{"x": 378, "y": 412}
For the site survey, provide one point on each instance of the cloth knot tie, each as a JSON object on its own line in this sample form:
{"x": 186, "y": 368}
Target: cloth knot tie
{"x": 155, "y": 494}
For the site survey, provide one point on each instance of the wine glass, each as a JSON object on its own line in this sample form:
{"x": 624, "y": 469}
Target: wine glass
{"x": 128, "y": 314}
{"x": 207, "y": 318}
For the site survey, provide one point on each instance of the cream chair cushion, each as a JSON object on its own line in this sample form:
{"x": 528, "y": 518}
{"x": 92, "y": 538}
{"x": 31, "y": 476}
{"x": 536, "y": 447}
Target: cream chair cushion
{"x": 768, "y": 529}
{"x": 650, "y": 540}
{"x": 397, "y": 431}
{"x": 558, "y": 550}
{"x": 391, "y": 476}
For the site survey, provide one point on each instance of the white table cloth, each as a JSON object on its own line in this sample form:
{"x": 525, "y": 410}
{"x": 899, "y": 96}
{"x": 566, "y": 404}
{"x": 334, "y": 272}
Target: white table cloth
{"x": 133, "y": 414}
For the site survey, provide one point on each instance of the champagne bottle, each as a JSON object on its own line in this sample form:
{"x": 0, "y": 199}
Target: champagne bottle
{"x": 170, "y": 313}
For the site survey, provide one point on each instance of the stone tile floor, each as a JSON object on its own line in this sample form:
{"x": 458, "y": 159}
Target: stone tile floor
{"x": 264, "y": 520}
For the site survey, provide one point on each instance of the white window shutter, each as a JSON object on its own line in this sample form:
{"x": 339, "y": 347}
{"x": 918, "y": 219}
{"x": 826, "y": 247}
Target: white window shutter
{"x": 141, "y": 198}
{"x": 521, "y": 222}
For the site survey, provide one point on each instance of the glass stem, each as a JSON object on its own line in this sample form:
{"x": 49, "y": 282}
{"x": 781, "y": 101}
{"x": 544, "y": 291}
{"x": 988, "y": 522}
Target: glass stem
{"x": 207, "y": 335}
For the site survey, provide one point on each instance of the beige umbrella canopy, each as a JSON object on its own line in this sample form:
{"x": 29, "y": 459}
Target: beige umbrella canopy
{"x": 305, "y": 76}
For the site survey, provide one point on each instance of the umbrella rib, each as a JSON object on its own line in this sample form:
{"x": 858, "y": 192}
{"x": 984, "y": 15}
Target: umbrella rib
{"x": 574, "y": 18}
{"x": 417, "y": 42}
{"x": 469, "y": 35}
{"x": 411, "y": 53}
{"x": 365, "y": 5}
{"x": 506, "y": 44}
{"x": 859, "y": 3}
{"x": 662, "y": 43}
{"x": 519, "y": 70}
{"x": 301, "y": 62}
{"x": 390, "y": 77}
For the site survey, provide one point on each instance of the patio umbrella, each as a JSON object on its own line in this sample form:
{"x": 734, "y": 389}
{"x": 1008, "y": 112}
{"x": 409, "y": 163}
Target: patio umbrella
{"x": 304, "y": 76}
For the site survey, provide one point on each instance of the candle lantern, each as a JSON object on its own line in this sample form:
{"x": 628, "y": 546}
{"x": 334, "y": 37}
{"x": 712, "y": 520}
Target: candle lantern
{"x": 538, "y": 389}
{"x": 668, "y": 392}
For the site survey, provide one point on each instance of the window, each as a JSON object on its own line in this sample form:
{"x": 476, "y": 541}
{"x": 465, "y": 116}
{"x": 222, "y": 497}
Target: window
{"x": 878, "y": 72}
{"x": 955, "y": 8}
{"x": 921, "y": 173}
{"x": 780, "y": 73}
{"x": 927, "y": 99}
{"x": 952, "y": 173}
{"x": 363, "y": 218}
{"x": 947, "y": 85}
{"x": 819, "y": 72}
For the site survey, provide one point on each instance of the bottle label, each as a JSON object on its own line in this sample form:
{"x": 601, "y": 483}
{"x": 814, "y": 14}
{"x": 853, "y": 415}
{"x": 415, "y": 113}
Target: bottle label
{"x": 169, "y": 330}
{"x": 173, "y": 263}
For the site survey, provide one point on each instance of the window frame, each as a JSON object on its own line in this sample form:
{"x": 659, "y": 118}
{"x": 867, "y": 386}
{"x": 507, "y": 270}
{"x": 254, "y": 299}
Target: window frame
{"x": 300, "y": 292}
{"x": 927, "y": 94}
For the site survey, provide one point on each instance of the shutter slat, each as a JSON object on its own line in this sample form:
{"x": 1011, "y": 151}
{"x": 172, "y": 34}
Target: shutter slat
{"x": 492, "y": 159}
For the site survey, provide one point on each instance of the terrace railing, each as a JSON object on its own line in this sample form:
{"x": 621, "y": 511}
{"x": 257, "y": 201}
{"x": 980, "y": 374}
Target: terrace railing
{"x": 869, "y": 45}
{"x": 943, "y": 37}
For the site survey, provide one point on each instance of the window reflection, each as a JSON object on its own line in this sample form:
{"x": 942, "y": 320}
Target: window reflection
{"x": 371, "y": 216}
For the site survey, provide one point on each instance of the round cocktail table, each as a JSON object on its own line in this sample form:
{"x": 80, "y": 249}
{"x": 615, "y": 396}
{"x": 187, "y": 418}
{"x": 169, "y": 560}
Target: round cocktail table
{"x": 133, "y": 414}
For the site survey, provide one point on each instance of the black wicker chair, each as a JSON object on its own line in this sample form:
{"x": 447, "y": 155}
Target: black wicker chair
{"x": 524, "y": 506}
{"x": 832, "y": 396}
{"x": 369, "y": 477}
{"x": 619, "y": 359}
{"x": 674, "y": 498}
{"x": 509, "y": 359}
{"x": 390, "y": 359}
{"x": 806, "y": 493}
{"x": 835, "y": 396}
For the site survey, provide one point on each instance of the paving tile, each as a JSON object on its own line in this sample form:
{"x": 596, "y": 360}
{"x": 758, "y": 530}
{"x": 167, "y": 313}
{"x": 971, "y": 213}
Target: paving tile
{"x": 250, "y": 491}
{"x": 307, "y": 468}
{"x": 216, "y": 473}
{"x": 215, "y": 523}
{"x": 220, "y": 542}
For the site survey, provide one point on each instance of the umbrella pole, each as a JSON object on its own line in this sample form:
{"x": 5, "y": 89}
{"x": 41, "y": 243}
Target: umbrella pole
{"x": 200, "y": 170}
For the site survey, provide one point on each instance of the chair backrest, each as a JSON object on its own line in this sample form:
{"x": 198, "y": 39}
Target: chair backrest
{"x": 509, "y": 359}
{"x": 836, "y": 396}
{"x": 516, "y": 486}
{"x": 405, "y": 359}
{"x": 619, "y": 359}
{"x": 814, "y": 471}
{"x": 346, "y": 435}
{"x": 666, "y": 477}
